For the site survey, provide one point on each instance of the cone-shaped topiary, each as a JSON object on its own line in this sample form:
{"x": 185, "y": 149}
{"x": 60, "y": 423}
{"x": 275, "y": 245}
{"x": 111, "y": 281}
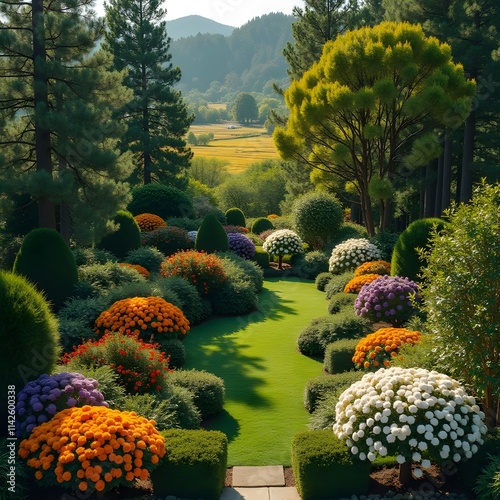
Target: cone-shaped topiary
{"x": 406, "y": 260}
{"x": 47, "y": 261}
{"x": 211, "y": 236}
{"x": 235, "y": 217}
{"x": 126, "y": 238}
{"x": 261, "y": 224}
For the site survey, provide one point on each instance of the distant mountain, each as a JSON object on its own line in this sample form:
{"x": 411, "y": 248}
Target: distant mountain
{"x": 192, "y": 25}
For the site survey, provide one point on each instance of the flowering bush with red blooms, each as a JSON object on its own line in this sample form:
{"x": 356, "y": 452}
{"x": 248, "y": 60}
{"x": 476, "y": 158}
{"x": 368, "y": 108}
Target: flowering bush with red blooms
{"x": 355, "y": 285}
{"x": 204, "y": 271}
{"x": 140, "y": 269}
{"x": 93, "y": 448}
{"x": 167, "y": 240}
{"x": 140, "y": 366}
{"x": 380, "y": 267}
{"x": 149, "y": 222}
{"x": 377, "y": 349}
{"x": 146, "y": 317}
{"x": 236, "y": 229}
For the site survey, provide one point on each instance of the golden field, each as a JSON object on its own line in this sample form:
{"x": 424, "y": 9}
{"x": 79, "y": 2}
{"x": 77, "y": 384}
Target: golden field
{"x": 235, "y": 146}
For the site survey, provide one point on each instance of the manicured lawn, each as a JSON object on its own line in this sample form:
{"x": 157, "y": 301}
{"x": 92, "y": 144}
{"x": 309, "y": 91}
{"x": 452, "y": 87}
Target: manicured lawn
{"x": 264, "y": 374}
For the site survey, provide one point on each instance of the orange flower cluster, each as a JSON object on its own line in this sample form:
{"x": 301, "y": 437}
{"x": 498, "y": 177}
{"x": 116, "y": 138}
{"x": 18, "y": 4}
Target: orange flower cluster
{"x": 140, "y": 269}
{"x": 355, "y": 285}
{"x": 273, "y": 216}
{"x": 380, "y": 267}
{"x": 93, "y": 448}
{"x": 149, "y": 222}
{"x": 376, "y": 349}
{"x": 144, "y": 316}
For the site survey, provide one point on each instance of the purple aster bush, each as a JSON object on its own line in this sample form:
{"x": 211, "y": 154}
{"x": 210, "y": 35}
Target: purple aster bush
{"x": 241, "y": 245}
{"x": 42, "y": 398}
{"x": 388, "y": 298}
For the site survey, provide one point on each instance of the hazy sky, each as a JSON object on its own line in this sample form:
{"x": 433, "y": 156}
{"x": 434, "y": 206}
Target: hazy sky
{"x": 231, "y": 12}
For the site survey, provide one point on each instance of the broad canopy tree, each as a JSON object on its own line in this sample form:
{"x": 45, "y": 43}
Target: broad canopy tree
{"x": 376, "y": 96}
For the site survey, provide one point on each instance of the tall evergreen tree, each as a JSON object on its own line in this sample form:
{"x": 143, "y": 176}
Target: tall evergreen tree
{"x": 157, "y": 118}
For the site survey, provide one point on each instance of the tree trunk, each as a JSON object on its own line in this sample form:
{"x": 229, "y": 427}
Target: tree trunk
{"x": 446, "y": 182}
{"x": 366, "y": 207}
{"x": 467, "y": 157}
{"x": 430, "y": 188}
{"x": 405, "y": 476}
{"x": 280, "y": 261}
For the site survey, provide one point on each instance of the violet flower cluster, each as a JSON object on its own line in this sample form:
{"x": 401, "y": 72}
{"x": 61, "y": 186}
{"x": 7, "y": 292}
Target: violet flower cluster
{"x": 241, "y": 245}
{"x": 42, "y": 398}
{"x": 388, "y": 298}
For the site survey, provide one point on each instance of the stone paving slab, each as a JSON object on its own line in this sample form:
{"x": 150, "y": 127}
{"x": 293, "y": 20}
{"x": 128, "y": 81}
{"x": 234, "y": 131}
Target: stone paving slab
{"x": 245, "y": 493}
{"x": 284, "y": 493}
{"x": 270, "y": 475}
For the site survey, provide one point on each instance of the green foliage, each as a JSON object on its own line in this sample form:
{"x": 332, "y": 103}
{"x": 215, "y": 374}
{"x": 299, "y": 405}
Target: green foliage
{"x": 209, "y": 171}
{"x": 311, "y": 265}
{"x": 319, "y": 456}
{"x": 317, "y": 217}
{"x": 168, "y": 240}
{"x": 421, "y": 354}
{"x": 249, "y": 271}
{"x": 322, "y": 279}
{"x": 88, "y": 256}
{"x": 186, "y": 415}
{"x": 338, "y": 356}
{"x": 46, "y": 261}
{"x": 86, "y": 310}
{"x": 184, "y": 223}
{"x": 21, "y": 476}
{"x": 204, "y": 205}
{"x": 165, "y": 201}
{"x": 323, "y": 416}
{"x": 148, "y": 257}
{"x": 338, "y": 283}
{"x": 261, "y": 224}
{"x": 176, "y": 352}
{"x": 406, "y": 258}
{"x": 9, "y": 248}
{"x": 127, "y": 237}
{"x": 245, "y": 108}
{"x": 261, "y": 257}
{"x": 235, "y": 217}
{"x": 340, "y": 300}
{"x": 488, "y": 482}
{"x": 73, "y": 332}
{"x": 347, "y": 231}
{"x": 194, "y": 465}
{"x": 208, "y": 390}
{"x": 211, "y": 236}
{"x": 386, "y": 241}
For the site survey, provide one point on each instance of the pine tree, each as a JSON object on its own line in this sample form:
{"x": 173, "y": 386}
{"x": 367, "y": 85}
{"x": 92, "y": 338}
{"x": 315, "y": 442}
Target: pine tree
{"x": 157, "y": 118}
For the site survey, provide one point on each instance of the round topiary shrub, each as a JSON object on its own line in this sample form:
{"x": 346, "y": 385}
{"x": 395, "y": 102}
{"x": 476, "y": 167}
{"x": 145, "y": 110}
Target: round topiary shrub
{"x": 235, "y": 217}
{"x": 261, "y": 224}
{"x": 317, "y": 217}
{"x": 337, "y": 284}
{"x": 46, "y": 261}
{"x": 149, "y": 222}
{"x": 351, "y": 254}
{"x": 126, "y": 238}
{"x": 355, "y": 285}
{"x": 340, "y": 301}
{"x": 338, "y": 356}
{"x": 211, "y": 236}
{"x": 322, "y": 279}
{"x": 406, "y": 259}
{"x": 161, "y": 200}
{"x": 311, "y": 265}
{"x": 241, "y": 245}
{"x": 283, "y": 242}
{"x": 147, "y": 257}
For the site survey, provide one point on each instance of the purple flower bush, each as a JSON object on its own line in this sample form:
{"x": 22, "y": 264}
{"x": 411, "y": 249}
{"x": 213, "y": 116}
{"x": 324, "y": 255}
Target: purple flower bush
{"x": 241, "y": 245}
{"x": 42, "y": 398}
{"x": 388, "y": 298}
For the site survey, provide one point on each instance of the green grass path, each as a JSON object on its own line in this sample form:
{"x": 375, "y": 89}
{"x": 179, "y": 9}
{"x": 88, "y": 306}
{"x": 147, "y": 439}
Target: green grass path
{"x": 263, "y": 372}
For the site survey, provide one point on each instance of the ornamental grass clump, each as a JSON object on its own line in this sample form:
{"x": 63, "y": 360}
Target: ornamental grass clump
{"x": 283, "y": 242}
{"x": 378, "y": 348}
{"x": 351, "y": 254}
{"x": 380, "y": 267}
{"x": 388, "y": 298}
{"x": 93, "y": 448}
{"x": 151, "y": 318}
{"x": 204, "y": 271}
{"x": 241, "y": 245}
{"x": 137, "y": 267}
{"x": 42, "y": 398}
{"x": 149, "y": 222}
{"x": 355, "y": 285}
{"x": 413, "y": 414}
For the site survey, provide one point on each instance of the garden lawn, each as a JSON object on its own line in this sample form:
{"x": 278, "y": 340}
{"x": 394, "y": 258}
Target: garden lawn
{"x": 263, "y": 372}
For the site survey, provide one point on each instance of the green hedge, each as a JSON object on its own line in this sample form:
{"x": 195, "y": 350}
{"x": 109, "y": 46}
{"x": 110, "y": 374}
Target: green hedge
{"x": 261, "y": 257}
{"x": 194, "y": 465}
{"x": 323, "y": 467}
{"x": 338, "y": 356}
{"x": 322, "y": 280}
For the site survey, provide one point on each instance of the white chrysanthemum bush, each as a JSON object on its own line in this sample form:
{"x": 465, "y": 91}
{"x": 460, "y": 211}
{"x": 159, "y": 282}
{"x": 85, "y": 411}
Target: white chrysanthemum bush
{"x": 413, "y": 414}
{"x": 352, "y": 253}
{"x": 283, "y": 242}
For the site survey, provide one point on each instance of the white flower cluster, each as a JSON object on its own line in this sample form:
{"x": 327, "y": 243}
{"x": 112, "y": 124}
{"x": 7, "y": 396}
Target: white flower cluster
{"x": 283, "y": 241}
{"x": 352, "y": 253}
{"x": 408, "y": 412}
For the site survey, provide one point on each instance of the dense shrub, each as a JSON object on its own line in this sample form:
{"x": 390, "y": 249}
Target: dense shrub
{"x": 169, "y": 240}
{"x": 211, "y": 236}
{"x": 194, "y": 465}
{"x": 161, "y": 200}
{"x": 340, "y": 301}
{"x": 406, "y": 259}
{"x": 380, "y": 267}
{"x": 337, "y": 284}
{"x": 148, "y": 257}
{"x": 351, "y": 254}
{"x": 319, "y": 456}
{"x": 9, "y": 248}
{"x": 317, "y": 217}
{"x": 249, "y": 271}
{"x": 125, "y": 238}
{"x": 238, "y": 229}
{"x": 85, "y": 310}
{"x": 103, "y": 277}
{"x": 355, "y": 285}
{"x": 89, "y": 256}
{"x": 184, "y": 223}
{"x": 73, "y": 332}
{"x": 241, "y": 245}
{"x": 338, "y": 356}
{"x": 322, "y": 279}
{"x": 347, "y": 231}
{"x": 261, "y": 224}
{"x": 386, "y": 241}
{"x": 323, "y": 416}
{"x": 47, "y": 262}
{"x": 261, "y": 257}
{"x": 311, "y": 264}
{"x": 137, "y": 267}
{"x": 235, "y": 217}
{"x": 149, "y": 222}
{"x": 176, "y": 352}
{"x": 488, "y": 482}
{"x": 208, "y": 390}
{"x": 186, "y": 415}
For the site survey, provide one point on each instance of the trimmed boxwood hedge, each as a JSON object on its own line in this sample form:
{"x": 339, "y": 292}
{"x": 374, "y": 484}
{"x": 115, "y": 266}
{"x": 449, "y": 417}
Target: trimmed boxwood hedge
{"x": 338, "y": 356}
{"x": 194, "y": 465}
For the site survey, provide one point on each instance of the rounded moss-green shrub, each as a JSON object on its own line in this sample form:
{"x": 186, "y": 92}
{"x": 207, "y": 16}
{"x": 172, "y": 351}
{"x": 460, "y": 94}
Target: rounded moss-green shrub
{"x": 161, "y": 200}
{"x": 406, "y": 260}
{"x": 235, "y": 217}
{"x": 186, "y": 414}
{"x": 89, "y": 256}
{"x": 341, "y": 300}
{"x": 194, "y": 465}
{"x": 311, "y": 264}
{"x": 338, "y": 283}
{"x": 127, "y": 237}
{"x": 248, "y": 271}
{"x": 208, "y": 390}
{"x": 234, "y": 297}
{"x": 319, "y": 456}
{"x": 176, "y": 352}
{"x": 261, "y": 224}
{"x": 147, "y": 257}
{"x": 46, "y": 261}
{"x": 73, "y": 332}
{"x": 211, "y": 236}
{"x": 338, "y": 356}
{"x": 317, "y": 217}
{"x": 29, "y": 334}
{"x": 322, "y": 279}
{"x": 261, "y": 257}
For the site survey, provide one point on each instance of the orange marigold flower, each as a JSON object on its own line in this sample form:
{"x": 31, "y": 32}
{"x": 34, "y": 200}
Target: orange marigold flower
{"x": 355, "y": 285}
{"x": 140, "y": 269}
{"x": 380, "y": 267}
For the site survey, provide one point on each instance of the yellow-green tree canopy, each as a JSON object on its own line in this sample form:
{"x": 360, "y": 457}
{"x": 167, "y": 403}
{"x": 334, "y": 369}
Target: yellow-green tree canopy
{"x": 377, "y": 96}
